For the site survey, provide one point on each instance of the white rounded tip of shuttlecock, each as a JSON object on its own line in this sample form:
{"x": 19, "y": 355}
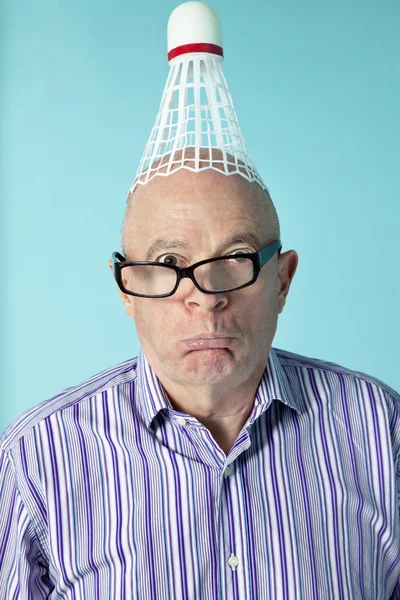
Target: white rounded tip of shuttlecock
{"x": 191, "y": 24}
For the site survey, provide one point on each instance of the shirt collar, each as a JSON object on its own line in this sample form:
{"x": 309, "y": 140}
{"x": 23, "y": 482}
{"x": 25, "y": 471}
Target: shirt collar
{"x": 151, "y": 397}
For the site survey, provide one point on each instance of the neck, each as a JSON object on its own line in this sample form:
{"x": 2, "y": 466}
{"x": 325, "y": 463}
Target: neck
{"x": 222, "y": 411}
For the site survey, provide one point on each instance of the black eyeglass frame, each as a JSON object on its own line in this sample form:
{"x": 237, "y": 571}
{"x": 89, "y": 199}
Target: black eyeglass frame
{"x": 259, "y": 259}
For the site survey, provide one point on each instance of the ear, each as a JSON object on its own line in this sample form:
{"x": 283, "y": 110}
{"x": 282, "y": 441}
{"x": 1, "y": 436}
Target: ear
{"x": 129, "y": 301}
{"x": 287, "y": 267}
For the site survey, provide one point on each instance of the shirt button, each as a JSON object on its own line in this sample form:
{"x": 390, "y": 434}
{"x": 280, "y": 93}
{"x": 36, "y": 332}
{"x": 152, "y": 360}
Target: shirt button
{"x": 181, "y": 421}
{"x": 228, "y": 471}
{"x": 233, "y": 561}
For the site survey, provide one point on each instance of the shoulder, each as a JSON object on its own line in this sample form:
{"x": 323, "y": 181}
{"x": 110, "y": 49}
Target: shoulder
{"x": 293, "y": 364}
{"x": 102, "y": 382}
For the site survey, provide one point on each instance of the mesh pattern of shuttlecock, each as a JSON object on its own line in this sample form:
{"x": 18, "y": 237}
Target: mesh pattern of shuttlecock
{"x": 196, "y": 111}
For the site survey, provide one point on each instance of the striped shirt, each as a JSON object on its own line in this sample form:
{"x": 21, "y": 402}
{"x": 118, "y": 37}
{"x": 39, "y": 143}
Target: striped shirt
{"x": 108, "y": 493}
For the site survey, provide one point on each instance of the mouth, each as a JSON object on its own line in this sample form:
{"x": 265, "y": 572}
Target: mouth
{"x": 205, "y": 342}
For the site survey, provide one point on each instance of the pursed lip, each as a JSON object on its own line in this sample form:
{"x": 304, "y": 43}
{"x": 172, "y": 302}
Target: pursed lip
{"x": 208, "y": 341}
{"x": 208, "y": 336}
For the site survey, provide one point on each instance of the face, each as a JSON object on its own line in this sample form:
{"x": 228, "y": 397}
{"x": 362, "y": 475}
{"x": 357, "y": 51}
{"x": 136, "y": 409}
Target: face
{"x": 203, "y": 210}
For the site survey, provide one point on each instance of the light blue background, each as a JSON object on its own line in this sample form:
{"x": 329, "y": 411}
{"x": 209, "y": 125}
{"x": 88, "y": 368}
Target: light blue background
{"x": 316, "y": 89}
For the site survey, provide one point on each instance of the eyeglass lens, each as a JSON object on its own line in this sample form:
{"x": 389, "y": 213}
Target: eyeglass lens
{"x": 220, "y": 275}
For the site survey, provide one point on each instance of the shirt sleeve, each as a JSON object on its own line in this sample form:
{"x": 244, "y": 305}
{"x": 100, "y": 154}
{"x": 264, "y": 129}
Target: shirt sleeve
{"x": 395, "y": 433}
{"x": 23, "y": 570}
{"x": 396, "y": 592}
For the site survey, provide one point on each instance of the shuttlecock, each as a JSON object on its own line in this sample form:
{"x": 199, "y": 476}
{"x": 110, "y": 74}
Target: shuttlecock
{"x": 196, "y": 110}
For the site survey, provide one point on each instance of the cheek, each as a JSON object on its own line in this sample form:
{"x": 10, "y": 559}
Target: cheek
{"x": 151, "y": 318}
{"x": 259, "y": 308}
{"x": 263, "y": 292}
{"x": 259, "y": 314}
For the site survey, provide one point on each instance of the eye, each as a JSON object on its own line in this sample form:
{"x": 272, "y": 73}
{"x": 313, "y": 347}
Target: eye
{"x": 242, "y": 251}
{"x": 170, "y": 258}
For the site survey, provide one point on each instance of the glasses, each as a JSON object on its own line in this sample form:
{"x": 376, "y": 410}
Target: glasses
{"x": 212, "y": 276}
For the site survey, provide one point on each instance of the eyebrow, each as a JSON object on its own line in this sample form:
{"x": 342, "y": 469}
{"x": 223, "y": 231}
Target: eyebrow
{"x": 239, "y": 238}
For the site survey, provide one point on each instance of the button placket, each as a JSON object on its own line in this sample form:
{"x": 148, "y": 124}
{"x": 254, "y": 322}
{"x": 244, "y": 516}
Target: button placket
{"x": 233, "y": 561}
{"x": 228, "y": 470}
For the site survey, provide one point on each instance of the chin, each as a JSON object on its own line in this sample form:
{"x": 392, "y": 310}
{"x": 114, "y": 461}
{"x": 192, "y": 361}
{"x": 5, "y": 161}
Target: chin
{"x": 211, "y": 361}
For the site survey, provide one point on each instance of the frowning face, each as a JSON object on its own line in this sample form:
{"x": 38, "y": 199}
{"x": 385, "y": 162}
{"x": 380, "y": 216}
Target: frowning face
{"x": 202, "y": 211}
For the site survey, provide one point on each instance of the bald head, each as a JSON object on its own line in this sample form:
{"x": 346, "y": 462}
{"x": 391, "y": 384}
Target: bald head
{"x": 208, "y": 184}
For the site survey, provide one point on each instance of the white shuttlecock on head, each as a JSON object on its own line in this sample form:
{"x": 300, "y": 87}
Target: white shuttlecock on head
{"x": 196, "y": 110}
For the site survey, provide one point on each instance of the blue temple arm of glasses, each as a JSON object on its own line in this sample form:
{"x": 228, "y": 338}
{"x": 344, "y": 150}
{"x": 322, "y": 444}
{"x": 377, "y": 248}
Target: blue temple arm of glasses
{"x": 267, "y": 253}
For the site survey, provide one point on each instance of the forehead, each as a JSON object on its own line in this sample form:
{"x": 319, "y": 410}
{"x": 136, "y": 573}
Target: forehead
{"x": 195, "y": 200}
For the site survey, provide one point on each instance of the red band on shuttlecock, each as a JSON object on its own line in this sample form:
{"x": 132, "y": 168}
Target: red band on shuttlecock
{"x": 187, "y": 48}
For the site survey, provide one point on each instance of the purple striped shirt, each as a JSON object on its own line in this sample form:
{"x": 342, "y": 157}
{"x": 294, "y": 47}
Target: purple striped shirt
{"x": 108, "y": 493}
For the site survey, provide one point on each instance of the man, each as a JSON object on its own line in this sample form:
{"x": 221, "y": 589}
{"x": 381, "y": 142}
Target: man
{"x": 202, "y": 212}
{"x": 213, "y": 466}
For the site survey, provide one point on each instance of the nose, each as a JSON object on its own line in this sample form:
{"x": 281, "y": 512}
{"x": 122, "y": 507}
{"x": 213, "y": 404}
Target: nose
{"x": 194, "y": 298}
